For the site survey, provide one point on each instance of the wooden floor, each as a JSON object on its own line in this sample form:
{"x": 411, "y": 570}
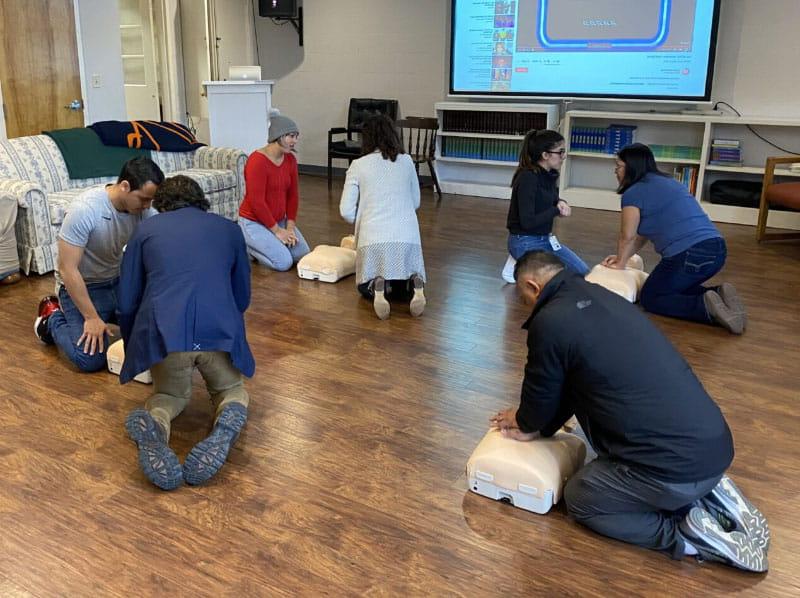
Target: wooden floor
{"x": 348, "y": 478}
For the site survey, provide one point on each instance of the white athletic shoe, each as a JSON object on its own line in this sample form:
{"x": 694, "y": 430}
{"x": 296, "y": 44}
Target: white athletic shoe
{"x": 735, "y": 513}
{"x": 508, "y": 270}
{"x": 713, "y": 543}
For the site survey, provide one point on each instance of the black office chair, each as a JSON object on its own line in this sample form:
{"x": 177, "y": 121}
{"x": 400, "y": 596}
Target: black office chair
{"x": 359, "y": 110}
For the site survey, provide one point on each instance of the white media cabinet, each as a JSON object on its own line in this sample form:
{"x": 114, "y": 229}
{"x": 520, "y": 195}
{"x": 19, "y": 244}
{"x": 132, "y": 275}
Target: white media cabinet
{"x": 474, "y": 127}
{"x": 587, "y": 178}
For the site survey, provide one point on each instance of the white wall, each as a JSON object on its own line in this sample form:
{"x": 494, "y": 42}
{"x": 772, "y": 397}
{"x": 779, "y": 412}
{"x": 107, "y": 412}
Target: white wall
{"x": 758, "y": 56}
{"x": 352, "y": 48}
{"x": 386, "y": 48}
{"x": 100, "y": 51}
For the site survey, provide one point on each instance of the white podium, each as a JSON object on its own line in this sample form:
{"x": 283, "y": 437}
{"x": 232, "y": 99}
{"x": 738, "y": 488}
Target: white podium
{"x": 238, "y": 113}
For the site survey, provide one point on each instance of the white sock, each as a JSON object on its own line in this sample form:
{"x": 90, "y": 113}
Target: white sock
{"x": 688, "y": 549}
{"x": 508, "y": 270}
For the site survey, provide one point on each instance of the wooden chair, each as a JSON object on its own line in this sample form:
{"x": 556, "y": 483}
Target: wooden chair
{"x": 786, "y": 195}
{"x": 349, "y": 148}
{"x": 418, "y": 137}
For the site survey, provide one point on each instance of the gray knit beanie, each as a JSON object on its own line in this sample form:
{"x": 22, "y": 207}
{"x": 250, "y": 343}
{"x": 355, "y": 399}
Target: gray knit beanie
{"x": 280, "y": 126}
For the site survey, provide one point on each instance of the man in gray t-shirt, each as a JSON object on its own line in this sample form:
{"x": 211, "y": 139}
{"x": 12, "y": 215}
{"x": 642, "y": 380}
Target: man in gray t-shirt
{"x": 90, "y": 244}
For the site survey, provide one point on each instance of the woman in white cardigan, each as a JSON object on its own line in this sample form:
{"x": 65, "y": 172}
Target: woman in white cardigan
{"x": 381, "y": 195}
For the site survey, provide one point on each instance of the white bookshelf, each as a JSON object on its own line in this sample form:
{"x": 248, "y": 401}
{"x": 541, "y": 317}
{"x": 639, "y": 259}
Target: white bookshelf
{"x": 475, "y": 175}
{"x": 587, "y": 178}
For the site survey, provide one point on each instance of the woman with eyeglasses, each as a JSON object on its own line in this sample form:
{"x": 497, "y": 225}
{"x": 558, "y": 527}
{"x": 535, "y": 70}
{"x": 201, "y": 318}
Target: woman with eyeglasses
{"x": 535, "y": 202}
{"x": 657, "y": 208}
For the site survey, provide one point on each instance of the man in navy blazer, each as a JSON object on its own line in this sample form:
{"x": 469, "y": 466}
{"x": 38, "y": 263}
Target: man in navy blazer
{"x": 184, "y": 287}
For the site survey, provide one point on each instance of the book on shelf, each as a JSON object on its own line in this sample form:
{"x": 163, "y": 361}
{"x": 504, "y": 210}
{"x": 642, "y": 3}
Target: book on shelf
{"x": 686, "y": 175}
{"x": 601, "y": 140}
{"x": 475, "y": 148}
{"x": 726, "y": 152}
{"x": 735, "y": 163}
{"x": 726, "y": 142}
{"x": 492, "y": 122}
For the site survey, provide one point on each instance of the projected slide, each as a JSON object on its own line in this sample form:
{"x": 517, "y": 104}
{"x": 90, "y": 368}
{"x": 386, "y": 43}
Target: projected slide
{"x": 574, "y": 48}
{"x": 587, "y": 24}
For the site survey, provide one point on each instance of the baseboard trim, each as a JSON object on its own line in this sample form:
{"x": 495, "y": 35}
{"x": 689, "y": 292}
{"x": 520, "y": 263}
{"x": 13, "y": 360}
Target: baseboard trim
{"x": 322, "y": 171}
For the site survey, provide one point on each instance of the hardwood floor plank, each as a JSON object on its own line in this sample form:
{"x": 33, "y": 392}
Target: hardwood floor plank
{"x": 349, "y": 476}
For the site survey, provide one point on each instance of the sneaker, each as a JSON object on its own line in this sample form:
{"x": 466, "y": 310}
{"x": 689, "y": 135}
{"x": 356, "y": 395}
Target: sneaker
{"x": 47, "y": 307}
{"x": 508, "y": 270}
{"x": 721, "y": 314}
{"x": 731, "y": 298}
{"x": 158, "y": 462}
{"x": 379, "y": 302}
{"x": 701, "y": 529}
{"x": 417, "y": 305}
{"x": 735, "y": 513}
{"x": 209, "y": 455}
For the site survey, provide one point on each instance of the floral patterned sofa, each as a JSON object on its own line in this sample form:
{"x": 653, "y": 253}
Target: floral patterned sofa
{"x": 33, "y": 172}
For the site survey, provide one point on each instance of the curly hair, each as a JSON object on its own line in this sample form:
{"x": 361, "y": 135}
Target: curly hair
{"x": 179, "y": 192}
{"x": 379, "y": 133}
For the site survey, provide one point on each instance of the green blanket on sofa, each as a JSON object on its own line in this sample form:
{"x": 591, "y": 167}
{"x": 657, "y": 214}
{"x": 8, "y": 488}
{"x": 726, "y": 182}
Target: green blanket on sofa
{"x": 87, "y": 157}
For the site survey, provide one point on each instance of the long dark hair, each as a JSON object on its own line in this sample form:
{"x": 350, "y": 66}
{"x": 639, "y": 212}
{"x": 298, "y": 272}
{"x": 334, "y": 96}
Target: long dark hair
{"x": 639, "y": 162}
{"x": 534, "y": 145}
{"x": 379, "y": 133}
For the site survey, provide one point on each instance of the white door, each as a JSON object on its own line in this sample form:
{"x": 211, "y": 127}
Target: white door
{"x": 195, "y": 26}
{"x": 235, "y": 42}
{"x": 138, "y": 60}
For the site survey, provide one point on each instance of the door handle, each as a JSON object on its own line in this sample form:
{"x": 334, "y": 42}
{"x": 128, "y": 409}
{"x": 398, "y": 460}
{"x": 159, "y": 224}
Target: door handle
{"x": 75, "y": 105}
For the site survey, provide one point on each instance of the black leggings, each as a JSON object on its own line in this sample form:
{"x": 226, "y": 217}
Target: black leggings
{"x": 398, "y": 290}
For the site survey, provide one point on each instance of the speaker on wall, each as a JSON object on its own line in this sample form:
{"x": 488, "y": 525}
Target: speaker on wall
{"x": 277, "y": 8}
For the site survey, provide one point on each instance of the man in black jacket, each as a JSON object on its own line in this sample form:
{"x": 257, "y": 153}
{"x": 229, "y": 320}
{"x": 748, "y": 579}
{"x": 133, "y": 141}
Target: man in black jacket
{"x": 662, "y": 442}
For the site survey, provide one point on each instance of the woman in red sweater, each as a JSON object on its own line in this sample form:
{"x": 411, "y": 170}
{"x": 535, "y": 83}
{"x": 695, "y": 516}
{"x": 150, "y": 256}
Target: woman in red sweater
{"x": 268, "y": 214}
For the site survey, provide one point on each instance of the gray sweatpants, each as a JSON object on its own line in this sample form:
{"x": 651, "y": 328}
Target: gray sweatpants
{"x": 623, "y": 502}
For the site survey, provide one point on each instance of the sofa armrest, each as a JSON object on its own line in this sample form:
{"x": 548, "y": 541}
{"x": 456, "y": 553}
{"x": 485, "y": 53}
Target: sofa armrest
{"x": 27, "y": 193}
{"x": 32, "y": 227}
{"x": 223, "y": 158}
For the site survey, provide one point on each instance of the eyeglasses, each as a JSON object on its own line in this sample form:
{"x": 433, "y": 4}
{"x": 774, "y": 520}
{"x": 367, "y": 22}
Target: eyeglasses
{"x": 561, "y": 152}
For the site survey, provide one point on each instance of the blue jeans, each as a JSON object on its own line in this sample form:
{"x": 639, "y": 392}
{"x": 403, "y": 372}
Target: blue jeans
{"x": 675, "y": 289}
{"x": 268, "y": 249}
{"x": 66, "y": 326}
{"x": 519, "y": 245}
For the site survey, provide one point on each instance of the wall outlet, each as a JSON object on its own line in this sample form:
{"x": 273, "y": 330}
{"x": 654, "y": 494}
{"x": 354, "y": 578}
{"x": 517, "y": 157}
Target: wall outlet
{"x": 97, "y": 80}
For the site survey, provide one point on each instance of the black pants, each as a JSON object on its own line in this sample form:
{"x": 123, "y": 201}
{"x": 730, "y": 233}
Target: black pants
{"x": 623, "y": 502}
{"x": 397, "y": 290}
